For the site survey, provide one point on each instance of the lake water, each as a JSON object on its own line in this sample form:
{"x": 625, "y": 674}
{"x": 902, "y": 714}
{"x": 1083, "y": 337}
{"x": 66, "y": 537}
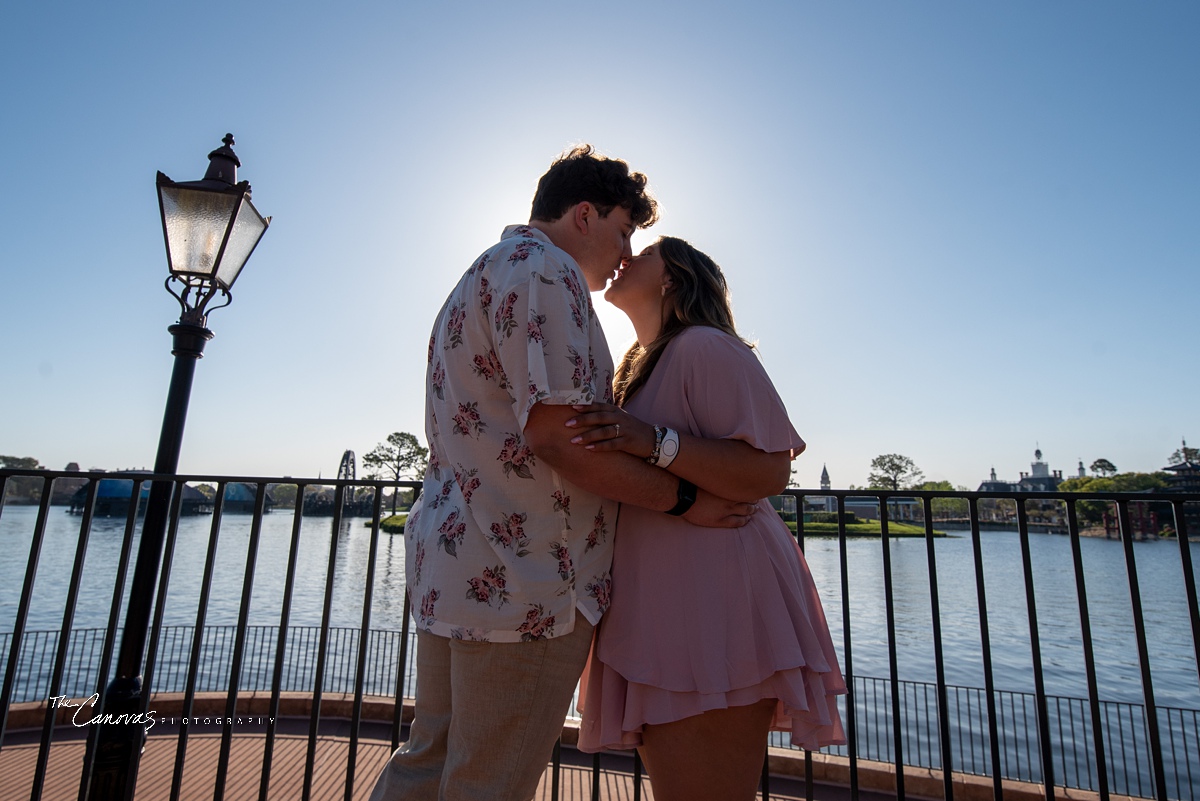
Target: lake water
{"x": 1172, "y": 653}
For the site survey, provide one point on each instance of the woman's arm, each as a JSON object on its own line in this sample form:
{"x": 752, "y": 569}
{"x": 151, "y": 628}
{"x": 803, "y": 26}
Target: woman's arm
{"x": 730, "y": 468}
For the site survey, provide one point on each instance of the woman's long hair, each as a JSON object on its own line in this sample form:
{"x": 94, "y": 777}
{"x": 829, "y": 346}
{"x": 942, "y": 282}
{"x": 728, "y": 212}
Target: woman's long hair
{"x": 698, "y": 295}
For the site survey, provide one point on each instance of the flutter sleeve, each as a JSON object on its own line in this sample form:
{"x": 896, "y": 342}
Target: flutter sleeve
{"x": 728, "y": 394}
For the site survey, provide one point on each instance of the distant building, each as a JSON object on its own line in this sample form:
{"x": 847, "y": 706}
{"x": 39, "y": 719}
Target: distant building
{"x": 114, "y": 495}
{"x": 863, "y": 508}
{"x": 240, "y": 499}
{"x": 1185, "y": 477}
{"x": 1040, "y": 478}
{"x": 64, "y": 489}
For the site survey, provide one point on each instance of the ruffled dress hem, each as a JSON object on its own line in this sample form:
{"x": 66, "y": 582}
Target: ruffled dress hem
{"x": 807, "y": 707}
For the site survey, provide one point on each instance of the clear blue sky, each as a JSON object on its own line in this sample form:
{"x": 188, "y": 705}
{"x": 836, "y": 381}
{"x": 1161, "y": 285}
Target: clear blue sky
{"x": 957, "y": 230}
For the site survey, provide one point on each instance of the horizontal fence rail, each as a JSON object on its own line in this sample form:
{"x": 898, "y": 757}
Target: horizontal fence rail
{"x": 957, "y": 577}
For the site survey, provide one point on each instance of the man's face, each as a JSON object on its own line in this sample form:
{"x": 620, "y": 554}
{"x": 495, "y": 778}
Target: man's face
{"x": 607, "y": 246}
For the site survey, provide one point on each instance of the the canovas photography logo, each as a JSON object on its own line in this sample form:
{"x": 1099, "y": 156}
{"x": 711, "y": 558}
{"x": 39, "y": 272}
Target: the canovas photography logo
{"x": 82, "y": 718}
{"x": 85, "y": 714}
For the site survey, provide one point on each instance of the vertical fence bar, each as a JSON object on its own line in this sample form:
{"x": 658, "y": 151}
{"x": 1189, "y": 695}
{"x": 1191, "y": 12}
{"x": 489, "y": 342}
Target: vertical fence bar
{"x": 402, "y": 666}
{"x": 1189, "y": 576}
{"x": 64, "y": 639}
{"x": 31, "y": 565}
{"x": 1039, "y": 684}
{"x": 637, "y": 776}
{"x": 986, "y": 646}
{"x": 110, "y": 635}
{"x": 281, "y": 642}
{"x": 1139, "y": 627}
{"x": 893, "y": 659}
{"x": 1089, "y": 655}
{"x": 189, "y": 694}
{"x": 339, "y": 497}
{"x": 364, "y": 634}
{"x": 556, "y": 768}
{"x": 808, "y": 759}
{"x": 851, "y": 707}
{"x": 239, "y": 642}
{"x": 939, "y": 661}
{"x": 160, "y": 603}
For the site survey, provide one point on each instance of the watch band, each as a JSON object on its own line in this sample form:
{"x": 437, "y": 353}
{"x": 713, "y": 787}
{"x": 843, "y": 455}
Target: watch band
{"x": 659, "y": 432}
{"x": 669, "y": 449}
{"x": 685, "y": 497}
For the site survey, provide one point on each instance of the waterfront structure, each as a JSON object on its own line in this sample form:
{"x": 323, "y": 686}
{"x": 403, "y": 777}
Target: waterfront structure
{"x": 239, "y": 499}
{"x": 63, "y": 491}
{"x": 113, "y": 496}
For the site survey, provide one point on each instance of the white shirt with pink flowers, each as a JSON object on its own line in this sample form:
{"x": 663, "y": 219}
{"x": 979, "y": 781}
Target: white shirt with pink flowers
{"x": 500, "y": 547}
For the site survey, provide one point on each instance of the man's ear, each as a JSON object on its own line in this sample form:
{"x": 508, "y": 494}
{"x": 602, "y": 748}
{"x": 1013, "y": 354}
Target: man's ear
{"x": 582, "y": 216}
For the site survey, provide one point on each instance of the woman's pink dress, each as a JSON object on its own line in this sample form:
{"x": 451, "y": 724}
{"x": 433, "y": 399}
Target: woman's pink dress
{"x": 710, "y": 618}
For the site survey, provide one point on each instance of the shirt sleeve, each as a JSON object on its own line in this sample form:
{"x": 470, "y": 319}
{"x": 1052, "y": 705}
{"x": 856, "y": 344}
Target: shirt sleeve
{"x": 730, "y": 396}
{"x": 542, "y": 341}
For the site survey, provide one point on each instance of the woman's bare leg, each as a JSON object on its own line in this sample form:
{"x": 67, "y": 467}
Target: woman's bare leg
{"x": 716, "y": 756}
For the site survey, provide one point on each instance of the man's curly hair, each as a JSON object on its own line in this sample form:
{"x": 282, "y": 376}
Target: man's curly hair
{"x": 579, "y": 175}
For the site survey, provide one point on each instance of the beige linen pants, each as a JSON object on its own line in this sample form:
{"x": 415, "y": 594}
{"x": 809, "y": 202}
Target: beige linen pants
{"x": 487, "y": 717}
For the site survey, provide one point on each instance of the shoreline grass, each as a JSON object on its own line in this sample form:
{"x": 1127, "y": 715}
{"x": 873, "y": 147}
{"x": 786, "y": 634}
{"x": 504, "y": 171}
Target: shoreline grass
{"x": 866, "y": 528}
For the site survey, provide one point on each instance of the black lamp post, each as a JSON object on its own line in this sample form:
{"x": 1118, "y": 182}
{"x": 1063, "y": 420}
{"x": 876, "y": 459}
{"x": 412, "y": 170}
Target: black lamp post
{"x": 211, "y": 228}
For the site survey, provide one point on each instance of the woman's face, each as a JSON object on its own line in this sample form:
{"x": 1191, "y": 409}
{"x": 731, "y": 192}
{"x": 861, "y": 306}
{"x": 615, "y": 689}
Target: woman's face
{"x": 639, "y": 282}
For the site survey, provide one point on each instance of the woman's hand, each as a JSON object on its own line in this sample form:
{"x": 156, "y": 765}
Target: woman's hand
{"x": 605, "y": 427}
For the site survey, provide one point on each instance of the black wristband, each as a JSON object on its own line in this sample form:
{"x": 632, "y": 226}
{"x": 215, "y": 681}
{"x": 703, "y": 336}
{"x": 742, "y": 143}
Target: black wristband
{"x": 686, "y": 495}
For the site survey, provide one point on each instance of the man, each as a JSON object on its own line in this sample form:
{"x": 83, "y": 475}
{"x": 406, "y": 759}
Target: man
{"x": 509, "y": 549}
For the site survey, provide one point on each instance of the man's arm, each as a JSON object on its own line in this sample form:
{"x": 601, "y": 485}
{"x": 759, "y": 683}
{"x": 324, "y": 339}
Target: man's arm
{"x": 621, "y": 476}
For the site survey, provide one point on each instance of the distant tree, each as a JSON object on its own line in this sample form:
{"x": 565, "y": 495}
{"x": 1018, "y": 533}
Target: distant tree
{"x": 1103, "y": 467}
{"x": 284, "y": 495}
{"x": 1091, "y": 513}
{"x": 891, "y": 471}
{"x": 207, "y": 490}
{"x": 22, "y": 489}
{"x": 1184, "y": 454}
{"x": 401, "y": 456}
{"x": 20, "y": 463}
{"x": 945, "y": 507}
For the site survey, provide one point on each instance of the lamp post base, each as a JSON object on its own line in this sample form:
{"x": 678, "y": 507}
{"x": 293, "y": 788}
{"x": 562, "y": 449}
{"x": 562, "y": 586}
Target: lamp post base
{"x": 118, "y": 744}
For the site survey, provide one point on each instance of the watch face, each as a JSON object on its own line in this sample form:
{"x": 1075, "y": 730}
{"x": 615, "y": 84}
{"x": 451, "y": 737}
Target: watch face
{"x": 670, "y": 448}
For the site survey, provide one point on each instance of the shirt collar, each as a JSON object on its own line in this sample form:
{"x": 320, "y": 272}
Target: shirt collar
{"x": 525, "y": 230}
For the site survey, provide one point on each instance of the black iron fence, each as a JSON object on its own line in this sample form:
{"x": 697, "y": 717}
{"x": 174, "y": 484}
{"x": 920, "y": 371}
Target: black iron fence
{"x": 1140, "y": 747}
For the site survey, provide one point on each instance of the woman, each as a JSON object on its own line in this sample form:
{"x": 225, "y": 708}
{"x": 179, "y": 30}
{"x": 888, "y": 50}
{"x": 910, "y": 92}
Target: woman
{"x": 714, "y": 637}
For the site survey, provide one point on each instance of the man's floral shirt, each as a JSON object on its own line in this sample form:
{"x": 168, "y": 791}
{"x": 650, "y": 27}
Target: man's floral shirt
{"x": 500, "y": 547}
